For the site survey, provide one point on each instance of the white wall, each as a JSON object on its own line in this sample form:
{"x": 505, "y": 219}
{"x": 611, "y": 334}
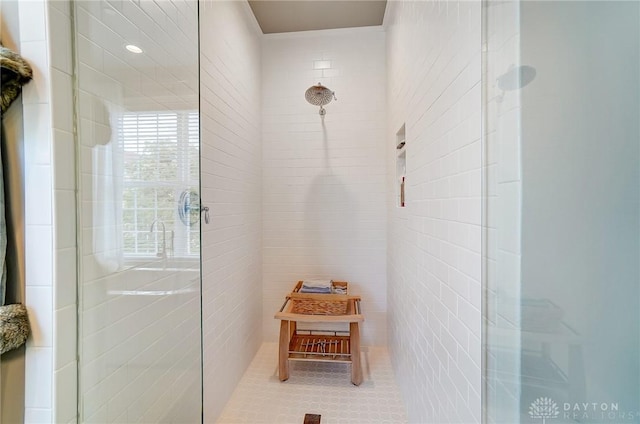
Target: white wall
{"x": 232, "y": 187}
{"x": 49, "y": 213}
{"x": 433, "y": 68}
{"x": 324, "y": 181}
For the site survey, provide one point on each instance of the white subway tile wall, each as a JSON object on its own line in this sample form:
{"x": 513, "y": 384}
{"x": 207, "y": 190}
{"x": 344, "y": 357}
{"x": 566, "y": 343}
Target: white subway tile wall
{"x": 324, "y": 187}
{"x": 232, "y": 187}
{"x": 434, "y": 260}
{"x": 37, "y": 106}
{"x": 139, "y": 313}
{"x": 50, "y": 233}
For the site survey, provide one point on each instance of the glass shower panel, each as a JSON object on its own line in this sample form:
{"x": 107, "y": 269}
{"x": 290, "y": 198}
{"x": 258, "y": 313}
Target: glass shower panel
{"x": 502, "y": 195}
{"x": 139, "y": 249}
{"x": 562, "y": 211}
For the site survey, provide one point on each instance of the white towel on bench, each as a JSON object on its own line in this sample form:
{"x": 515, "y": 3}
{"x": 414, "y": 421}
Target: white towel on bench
{"x": 317, "y": 284}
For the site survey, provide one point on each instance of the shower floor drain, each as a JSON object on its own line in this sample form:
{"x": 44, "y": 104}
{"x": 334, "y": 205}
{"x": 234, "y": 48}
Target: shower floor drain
{"x": 311, "y": 419}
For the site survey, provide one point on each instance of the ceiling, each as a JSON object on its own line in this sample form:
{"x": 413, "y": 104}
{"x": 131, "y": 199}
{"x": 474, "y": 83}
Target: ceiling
{"x": 306, "y": 15}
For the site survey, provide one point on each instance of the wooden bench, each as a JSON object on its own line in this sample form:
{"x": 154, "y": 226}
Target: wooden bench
{"x": 320, "y": 345}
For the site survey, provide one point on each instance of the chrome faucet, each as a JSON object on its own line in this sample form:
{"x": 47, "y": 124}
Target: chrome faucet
{"x": 163, "y": 253}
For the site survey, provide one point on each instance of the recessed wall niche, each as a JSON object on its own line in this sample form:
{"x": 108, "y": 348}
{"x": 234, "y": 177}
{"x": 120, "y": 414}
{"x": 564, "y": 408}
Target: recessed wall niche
{"x": 401, "y": 167}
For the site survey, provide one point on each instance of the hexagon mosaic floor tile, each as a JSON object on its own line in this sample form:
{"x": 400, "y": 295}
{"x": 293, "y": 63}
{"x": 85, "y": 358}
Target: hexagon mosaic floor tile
{"x": 316, "y": 388}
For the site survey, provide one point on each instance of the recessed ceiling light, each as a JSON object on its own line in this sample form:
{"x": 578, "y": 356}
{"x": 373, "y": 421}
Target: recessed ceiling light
{"x": 133, "y": 49}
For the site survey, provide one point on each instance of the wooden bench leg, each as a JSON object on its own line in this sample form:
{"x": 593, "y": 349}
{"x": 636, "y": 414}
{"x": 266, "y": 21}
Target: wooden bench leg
{"x": 283, "y": 354}
{"x": 356, "y": 366}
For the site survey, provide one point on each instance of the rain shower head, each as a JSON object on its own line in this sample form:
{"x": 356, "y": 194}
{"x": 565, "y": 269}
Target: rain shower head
{"x": 319, "y": 95}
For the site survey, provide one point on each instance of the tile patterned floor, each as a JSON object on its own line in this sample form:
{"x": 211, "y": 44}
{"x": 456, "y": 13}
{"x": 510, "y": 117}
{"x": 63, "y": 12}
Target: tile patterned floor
{"x": 316, "y": 388}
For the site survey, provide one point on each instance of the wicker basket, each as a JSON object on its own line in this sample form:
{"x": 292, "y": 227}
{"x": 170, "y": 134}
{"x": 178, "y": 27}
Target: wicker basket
{"x": 321, "y": 305}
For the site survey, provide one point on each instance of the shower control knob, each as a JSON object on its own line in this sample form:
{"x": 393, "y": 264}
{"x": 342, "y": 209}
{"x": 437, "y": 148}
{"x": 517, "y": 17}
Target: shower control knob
{"x": 205, "y": 209}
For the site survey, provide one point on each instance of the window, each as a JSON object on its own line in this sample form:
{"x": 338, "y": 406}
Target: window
{"x": 161, "y": 160}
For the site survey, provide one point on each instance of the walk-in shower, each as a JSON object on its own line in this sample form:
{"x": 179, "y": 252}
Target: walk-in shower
{"x": 560, "y": 169}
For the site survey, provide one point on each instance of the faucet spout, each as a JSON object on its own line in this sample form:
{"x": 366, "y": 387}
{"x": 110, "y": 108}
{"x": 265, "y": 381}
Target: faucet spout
{"x": 163, "y": 253}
